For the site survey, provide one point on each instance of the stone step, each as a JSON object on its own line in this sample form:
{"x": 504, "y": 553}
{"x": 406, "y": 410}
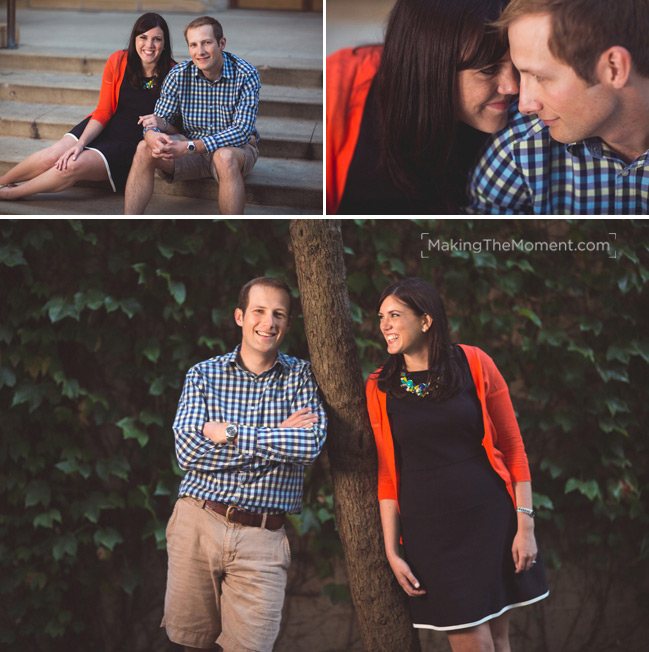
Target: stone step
{"x": 83, "y": 90}
{"x": 281, "y": 137}
{"x": 100, "y": 201}
{"x": 274, "y": 71}
{"x": 295, "y": 184}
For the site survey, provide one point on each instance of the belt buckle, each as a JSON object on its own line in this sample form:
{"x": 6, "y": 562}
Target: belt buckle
{"x": 227, "y": 512}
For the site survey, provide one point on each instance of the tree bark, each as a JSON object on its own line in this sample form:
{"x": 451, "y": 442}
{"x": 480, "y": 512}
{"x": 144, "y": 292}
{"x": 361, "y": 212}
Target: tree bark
{"x": 380, "y": 603}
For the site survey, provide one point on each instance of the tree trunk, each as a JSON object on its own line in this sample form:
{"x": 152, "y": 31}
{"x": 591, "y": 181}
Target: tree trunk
{"x": 380, "y": 602}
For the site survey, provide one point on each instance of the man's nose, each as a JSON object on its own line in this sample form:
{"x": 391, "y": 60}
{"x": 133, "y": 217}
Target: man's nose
{"x": 527, "y": 102}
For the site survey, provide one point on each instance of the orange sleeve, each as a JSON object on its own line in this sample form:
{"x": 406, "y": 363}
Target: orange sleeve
{"x": 110, "y": 84}
{"x": 507, "y": 434}
{"x": 383, "y": 439}
{"x": 349, "y": 76}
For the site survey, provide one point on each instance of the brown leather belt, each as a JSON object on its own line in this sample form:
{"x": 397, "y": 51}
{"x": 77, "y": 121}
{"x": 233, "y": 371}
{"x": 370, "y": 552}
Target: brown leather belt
{"x": 243, "y": 516}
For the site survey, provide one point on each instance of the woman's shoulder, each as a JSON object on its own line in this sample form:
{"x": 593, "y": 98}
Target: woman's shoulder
{"x": 348, "y": 61}
{"x": 475, "y": 352}
{"x": 372, "y": 381}
{"x": 118, "y": 56}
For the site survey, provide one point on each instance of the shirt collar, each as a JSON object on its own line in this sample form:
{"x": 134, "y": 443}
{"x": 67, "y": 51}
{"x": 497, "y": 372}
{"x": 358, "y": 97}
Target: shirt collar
{"x": 227, "y": 72}
{"x": 234, "y": 360}
{"x": 597, "y": 148}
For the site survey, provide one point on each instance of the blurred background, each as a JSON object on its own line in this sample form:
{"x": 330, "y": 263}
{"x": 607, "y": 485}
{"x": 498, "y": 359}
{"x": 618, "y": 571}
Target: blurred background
{"x": 355, "y": 22}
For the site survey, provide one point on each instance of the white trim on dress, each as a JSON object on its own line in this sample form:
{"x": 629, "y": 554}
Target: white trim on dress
{"x": 484, "y": 620}
{"x": 110, "y": 178}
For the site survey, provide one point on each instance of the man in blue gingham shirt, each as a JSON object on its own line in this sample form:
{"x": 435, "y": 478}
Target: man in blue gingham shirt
{"x": 524, "y": 171}
{"x": 584, "y": 67}
{"x": 247, "y": 425}
{"x": 215, "y": 96}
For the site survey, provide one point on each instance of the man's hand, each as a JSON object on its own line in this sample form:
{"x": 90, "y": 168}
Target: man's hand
{"x": 166, "y": 147}
{"x": 303, "y": 418}
{"x": 215, "y": 431}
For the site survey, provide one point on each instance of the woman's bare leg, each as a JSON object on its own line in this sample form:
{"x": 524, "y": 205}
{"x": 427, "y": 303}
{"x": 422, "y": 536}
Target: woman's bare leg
{"x": 500, "y": 633}
{"x": 89, "y": 166}
{"x": 472, "y": 639}
{"x": 38, "y": 162}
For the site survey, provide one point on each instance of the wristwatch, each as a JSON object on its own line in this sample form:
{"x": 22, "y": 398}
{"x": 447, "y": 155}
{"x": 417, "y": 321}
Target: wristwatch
{"x": 231, "y": 433}
{"x": 191, "y": 148}
{"x": 523, "y": 510}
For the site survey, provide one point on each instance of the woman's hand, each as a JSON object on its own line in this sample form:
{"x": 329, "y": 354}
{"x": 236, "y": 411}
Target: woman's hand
{"x": 524, "y": 549}
{"x": 152, "y": 120}
{"x": 73, "y": 152}
{"x": 408, "y": 582}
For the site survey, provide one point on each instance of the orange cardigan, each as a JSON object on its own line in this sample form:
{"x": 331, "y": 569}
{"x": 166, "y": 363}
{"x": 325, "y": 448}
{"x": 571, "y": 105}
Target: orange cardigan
{"x": 111, "y": 82}
{"x": 349, "y": 77}
{"x": 502, "y": 439}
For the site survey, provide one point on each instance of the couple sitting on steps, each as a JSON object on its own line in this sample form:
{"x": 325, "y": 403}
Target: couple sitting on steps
{"x": 154, "y": 114}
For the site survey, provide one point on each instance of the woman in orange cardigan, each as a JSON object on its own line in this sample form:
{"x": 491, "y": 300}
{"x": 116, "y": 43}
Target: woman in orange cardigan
{"x": 102, "y": 146}
{"x": 454, "y": 482}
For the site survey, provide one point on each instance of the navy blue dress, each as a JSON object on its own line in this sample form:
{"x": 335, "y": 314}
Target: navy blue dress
{"x": 458, "y": 520}
{"x": 119, "y": 139}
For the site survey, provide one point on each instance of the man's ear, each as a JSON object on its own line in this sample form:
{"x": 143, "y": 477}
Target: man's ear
{"x": 238, "y": 316}
{"x": 222, "y": 43}
{"x": 614, "y": 66}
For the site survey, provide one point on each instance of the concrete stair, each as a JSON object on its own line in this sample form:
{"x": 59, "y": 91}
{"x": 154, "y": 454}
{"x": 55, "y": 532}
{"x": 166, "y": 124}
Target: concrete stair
{"x": 37, "y": 108}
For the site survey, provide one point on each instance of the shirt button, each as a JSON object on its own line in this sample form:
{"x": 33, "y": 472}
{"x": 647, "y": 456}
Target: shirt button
{"x": 625, "y": 173}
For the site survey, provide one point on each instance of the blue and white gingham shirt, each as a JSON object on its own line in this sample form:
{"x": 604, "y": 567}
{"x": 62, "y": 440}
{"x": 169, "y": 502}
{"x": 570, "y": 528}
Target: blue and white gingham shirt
{"x": 264, "y": 472}
{"x": 220, "y": 113}
{"x": 522, "y": 170}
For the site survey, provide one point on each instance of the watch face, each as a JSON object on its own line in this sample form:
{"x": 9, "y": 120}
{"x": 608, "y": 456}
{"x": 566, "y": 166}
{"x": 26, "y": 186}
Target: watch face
{"x": 191, "y": 147}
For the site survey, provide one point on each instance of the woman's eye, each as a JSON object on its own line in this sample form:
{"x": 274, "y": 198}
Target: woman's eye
{"x": 489, "y": 71}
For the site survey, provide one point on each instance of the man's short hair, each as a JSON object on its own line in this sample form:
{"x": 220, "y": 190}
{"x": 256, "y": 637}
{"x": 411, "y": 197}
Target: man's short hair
{"x": 266, "y": 281}
{"x": 583, "y": 29}
{"x": 206, "y": 20}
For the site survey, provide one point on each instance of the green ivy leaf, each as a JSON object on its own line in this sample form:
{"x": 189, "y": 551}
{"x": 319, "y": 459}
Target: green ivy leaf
{"x": 530, "y": 314}
{"x": 178, "y": 291}
{"x": 116, "y": 465}
{"x": 589, "y": 488}
{"x": 37, "y": 492}
{"x": 149, "y": 417}
{"x": 7, "y": 377}
{"x": 11, "y": 256}
{"x": 152, "y": 350}
{"x": 47, "y": 519}
{"x": 74, "y": 466}
{"x": 107, "y": 537}
{"x": 65, "y": 544}
{"x": 59, "y": 308}
{"x": 131, "y": 431}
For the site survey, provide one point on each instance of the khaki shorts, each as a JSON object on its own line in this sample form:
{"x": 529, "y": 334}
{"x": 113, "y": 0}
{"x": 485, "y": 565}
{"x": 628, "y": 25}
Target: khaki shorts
{"x": 199, "y": 165}
{"x": 225, "y": 581}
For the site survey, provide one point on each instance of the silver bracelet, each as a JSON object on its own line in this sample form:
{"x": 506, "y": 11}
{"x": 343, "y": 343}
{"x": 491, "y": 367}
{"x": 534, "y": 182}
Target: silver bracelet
{"x": 525, "y": 510}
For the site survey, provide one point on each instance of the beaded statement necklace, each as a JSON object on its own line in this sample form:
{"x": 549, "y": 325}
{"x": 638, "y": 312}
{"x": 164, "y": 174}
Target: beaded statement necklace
{"x": 421, "y": 389}
{"x": 149, "y": 84}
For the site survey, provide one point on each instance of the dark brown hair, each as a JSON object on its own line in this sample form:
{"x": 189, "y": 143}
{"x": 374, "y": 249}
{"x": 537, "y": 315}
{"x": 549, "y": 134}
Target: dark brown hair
{"x": 134, "y": 70}
{"x": 423, "y": 299}
{"x": 266, "y": 281}
{"x": 582, "y": 29}
{"x": 206, "y": 20}
{"x": 426, "y": 43}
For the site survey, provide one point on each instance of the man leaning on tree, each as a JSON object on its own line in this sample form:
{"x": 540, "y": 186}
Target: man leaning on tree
{"x": 215, "y": 95}
{"x": 247, "y": 425}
